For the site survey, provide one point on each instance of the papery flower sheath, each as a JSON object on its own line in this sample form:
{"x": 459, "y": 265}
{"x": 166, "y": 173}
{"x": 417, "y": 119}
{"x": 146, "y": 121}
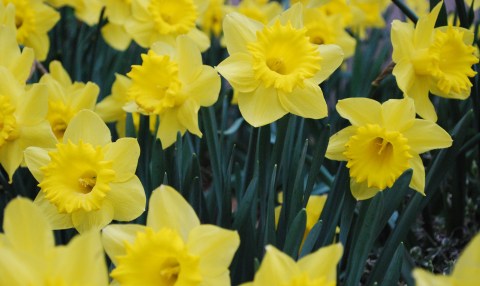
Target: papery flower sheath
{"x": 429, "y": 59}
{"x": 173, "y": 83}
{"x": 275, "y": 68}
{"x": 87, "y": 181}
{"x": 28, "y": 255}
{"x": 316, "y": 268}
{"x": 172, "y": 249}
{"x": 383, "y": 141}
{"x": 466, "y": 271}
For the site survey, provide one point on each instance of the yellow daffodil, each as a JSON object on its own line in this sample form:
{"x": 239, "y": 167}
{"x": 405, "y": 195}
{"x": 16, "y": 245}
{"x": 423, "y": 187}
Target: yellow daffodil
{"x": 172, "y": 249}
{"x": 111, "y": 110}
{"x": 368, "y": 14}
{"x": 466, "y": 271}
{"x": 118, "y": 12}
{"x": 66, "y": 98}
{"x": 436, "y": 60}
{"x": 275, "y": 68}
{"x": 165, "y": 20}
{"x": 317, "y": 268}
{"x": 22, "y": 113}
{"x": 261, "y": 11}
{"x": 87, "y": 181}
{"x": 172, "y": 83}
{"x": 87, "y": 11}
{"x": 328, "y": 29}
{"x": 384, "y": 141}
{"x": 340, "y": 8}
{"x": 33, "y": 20}
{"x": 28, "y": 255}
{"x": 211, "y": 20}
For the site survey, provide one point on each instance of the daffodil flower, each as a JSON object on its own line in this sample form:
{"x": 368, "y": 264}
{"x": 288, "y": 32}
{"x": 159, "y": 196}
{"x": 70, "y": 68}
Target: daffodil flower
{"x": 173, "y": 83}
{"x": 172, "y": 249}
{"x": 87, "y": 181}
{"x": 429, "y": 59}
{"x": 114, "y": 32}
{"x": 383, "y": 141}
{"x": 275, "y": 68}
{"x": 87, "y": 11}
{"x": 317, "y": 268}
{"x": 28, "y": 255}
{"x": 466, "y": 271}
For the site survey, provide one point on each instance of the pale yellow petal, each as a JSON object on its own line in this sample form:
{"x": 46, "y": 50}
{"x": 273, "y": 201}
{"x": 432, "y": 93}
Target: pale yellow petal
{"x": 332, "y": 58}
{"x": 204, "y": 88}
{"x": 405, "y": 75}
{"x": 360, "y": 111}
{"x": 26, "y": 228}
{"x": 22, "y": 66}
{"x": 88, "y": 127}
{"x": 35, "y": 158}
{"x": 19, "y": 268}
{"x": 424, "y": 30}
{"x": 466, "y": 270}
{"x": 34, "y": 106}
{"x": 336, "y": 143}
{"x": 167, "y": 208}
{"x": 261, "y": 106}
{"x": 9, "y": 48}
{"x": 398, "y": 114}
{"x": 419, "y": 93}
{"x": 402, "y": 36}
{"x": 189, "y": 59}
{"x": 239, "y": 30}
{"x": 11, "y": 156}
{"x": 60, "y": 74}
{"x": 85, "y": 97}
{"x": 115, "y": 236}
{"x": 94, "y": 220}
{"x": 426, "y": 135}
{"x": 314, "y": 209}
{"x": 424, "y": 278}
{"x": 201, "y": 40}
{"x": 128, "y": 199}
{"x": 124, "y": 154}
{"x": 361, "y": 191}
{"x": 40, "y": 135}
{"x": 10, "y": 86}
{"x": 141, "y": 32}
{"x": 277, "y": 268}
{"x": 188, "y": 116}
{"x": 418, "y": 177}
{"x": 322, "y": 263}
{"x": 40, "y": 43}
{"x": 110, "y": 109}
{"x": 56, "y": 219}
{"x": 168, "y": 128}
{"x": 216, "y": 247}
{"x": 307, "y": 102}
{"x": 238, "y": 71}
{"x": 294, "y": 15}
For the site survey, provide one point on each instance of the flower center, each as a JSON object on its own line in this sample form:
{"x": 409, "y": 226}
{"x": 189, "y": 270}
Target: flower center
{"x": 25, "y": 19}
{"x": 455, "y": 60}
{"x": 283, "y": 57}
{"x": 59, "y": 115}
{"x": 320, "y": 32}
{"x": 173, "y": 17}
{"x": 77, "y": 177}
{"x": 155, "y": 84}
{"x": 377, "y": 156}
{"x": 157, "y": 258}
{"x": 8, "y": 122}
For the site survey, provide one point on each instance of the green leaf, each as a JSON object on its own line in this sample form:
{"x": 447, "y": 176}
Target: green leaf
{"x": 394, "y": 268}
{"x": 295, "y": 234}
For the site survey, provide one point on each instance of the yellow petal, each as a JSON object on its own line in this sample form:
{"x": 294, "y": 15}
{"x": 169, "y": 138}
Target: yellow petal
{"x": 418, "y": 177}
{"x": 10, "y": 86}
{"x": 402, "y": 35}
{"x": 238, "y": 71}
{"x": 128, "y": 199}
{"x": 124, "y": 154}
{"x": 89, "y": 128}
{"x": 216, "y": 247}
{"x": 314, "y": 209}
{"x": 11, "y": 156}
{"x": 361, "y": 191}
{"x": 22, "y": 66}
{"x": 94, "y": 220}
{"x": 18, "y": 268}
{"x": 60, "y": 74}
{"x": 199, "y": 38}
{"x": 114, "y": 237}
{"x": 294, "y": 14}
{"x": 56, "y": 219}
{"x": 332, "y": 58}
{"x": 424, "y": 278}
{"x": 424, "y": 30}
{"x": 164, "y": 208}
{"x": 322, "y": 263}
{"x": 26, "y": 228}
{"x": 35, "y": 158}
{"x": 426, "y": 135}
{"x": 141, "y": 32}
{"x": 419, "y": 93}
{"x": 360, "y": 111}
{"x": 277, "y": 268}
{"x": 336, "y": 144}
{"x": 34, "y": 105}
{"x": 168, "y": 128}
{"x": 306, "y": 102}
{"x": 188, "y": 116}
{"x": 110, "y": 109}
{"x": 261, "y": 106}
{"x": 204, "y": 88}
{"x": 239, "y": 30}
{"x": 398, "y": 114}
{"x": 9, "y": 48}
{"x": 40, "y": 44}
{"x": 189, "y": 59}
{"x": 85, "y": 97}
{"x": 466, "y": 270}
